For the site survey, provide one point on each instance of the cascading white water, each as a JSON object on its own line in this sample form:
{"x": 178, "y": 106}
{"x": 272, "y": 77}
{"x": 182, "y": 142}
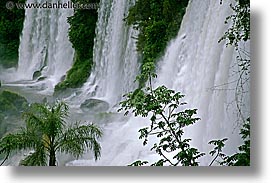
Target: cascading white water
{"x": 194, "y": 64}
{"x": 206, "y": 72}
{"x": 115, "y": 56}
{"x": 44, "y": 45}
{"x": 116, "y": 67}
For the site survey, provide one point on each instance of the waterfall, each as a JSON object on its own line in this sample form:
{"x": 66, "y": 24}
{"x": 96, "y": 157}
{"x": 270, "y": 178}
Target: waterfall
{"x": 44, "y": 46}
{"x": 115, "y": 56}
{"x": 116, "y": 67}
{"x": 194, "y": 64}
{"x": 206, "y": 72}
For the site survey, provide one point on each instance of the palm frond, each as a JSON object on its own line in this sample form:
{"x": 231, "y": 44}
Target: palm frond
{"x": 33, "y": 121}
{"x": 37, "y": 158}
{"x": 77, "y": 139}
{"x": 46, "y": 119}
{"x": 23, "y": 140}
{"x": 62, "y": 110}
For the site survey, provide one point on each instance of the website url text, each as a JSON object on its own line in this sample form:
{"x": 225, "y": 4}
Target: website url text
{"x": 48, "y": 5}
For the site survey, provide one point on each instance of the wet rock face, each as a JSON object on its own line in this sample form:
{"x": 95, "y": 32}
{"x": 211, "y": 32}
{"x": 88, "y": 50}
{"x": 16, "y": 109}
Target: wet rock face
{"x": 94, "y": 106}
{"x": 36, "y": 75}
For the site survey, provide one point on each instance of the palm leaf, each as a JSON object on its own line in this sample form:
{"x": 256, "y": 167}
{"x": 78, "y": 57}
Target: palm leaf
{"x": 23, "y": 140}
{"x": 37, "y": 158}
{"x": 76, "y": 139}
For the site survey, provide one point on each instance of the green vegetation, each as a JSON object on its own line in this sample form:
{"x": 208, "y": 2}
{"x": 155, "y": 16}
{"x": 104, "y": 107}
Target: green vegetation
{"x": 12, "y": 103}
{"x": 76, "y": 76}
{"x": 158, "y": 21}
{"x": 11, "y": 25}
{"x": 81, "y": 34}
{"x": 46, "y": 134}
{"x": 11, "y": 107}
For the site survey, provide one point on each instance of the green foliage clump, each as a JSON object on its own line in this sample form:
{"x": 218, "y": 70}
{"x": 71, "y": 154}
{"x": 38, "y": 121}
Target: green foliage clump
{"x": 82, "y": 30}
{"x": 46, "y": 134}
{"x": 158, "y": 21}
{"x": 81, "y": 34}
{"x": 76, "y": 76}
{"x": 11, "y": 25}
{"x": 12, "y": 103}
